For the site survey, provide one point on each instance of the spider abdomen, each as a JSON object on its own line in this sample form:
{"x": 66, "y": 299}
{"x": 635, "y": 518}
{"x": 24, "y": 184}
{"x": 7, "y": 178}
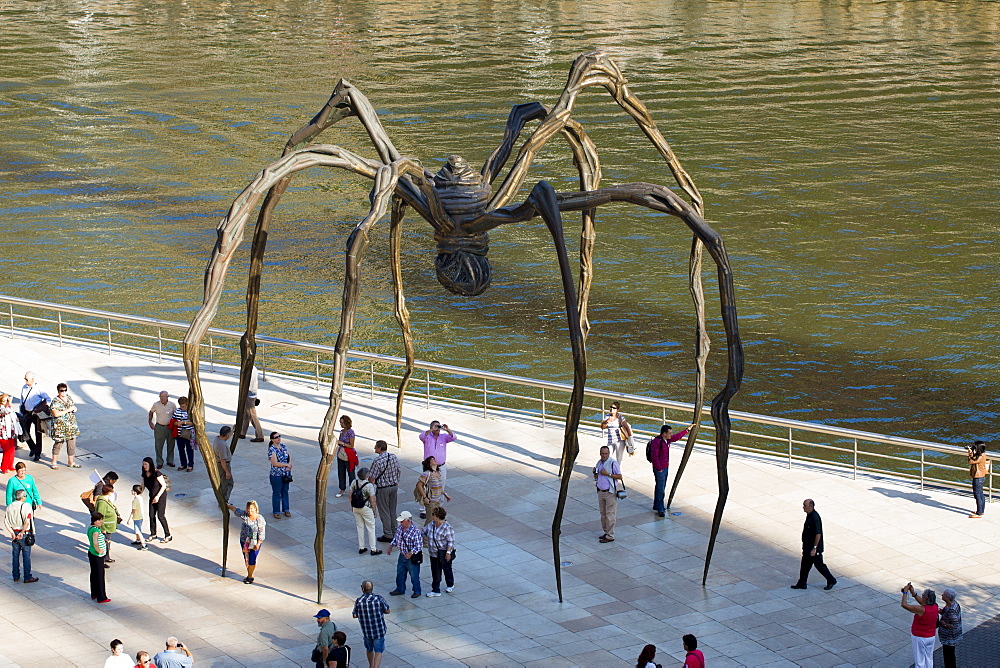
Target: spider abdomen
{"x": 461, "y": 263}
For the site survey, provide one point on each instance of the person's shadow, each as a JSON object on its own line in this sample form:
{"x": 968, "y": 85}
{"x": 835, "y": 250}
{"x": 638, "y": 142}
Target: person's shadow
{"x": 922, "y": 499}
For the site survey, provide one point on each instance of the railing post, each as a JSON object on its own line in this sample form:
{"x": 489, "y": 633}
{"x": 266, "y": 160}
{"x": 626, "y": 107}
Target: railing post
{"x": 371, "y": 371}
{"x": 427, "y": 397}
{"x": 543, "y": 408}
{"x": 109, "y": 336}
{"x": 11, "y": 309}
{"x": 317, "y": 372}
{"x": 484, "y": 397}
{"x": 211, "y": 354}
{"x": 59, "y": 318}
{"x": 789, "y": 447}
{"x": 263, "y": 362}
{"x": 921, "y": 469}
{"x": 855, "y": 459}
{"x": 159, "y": 344}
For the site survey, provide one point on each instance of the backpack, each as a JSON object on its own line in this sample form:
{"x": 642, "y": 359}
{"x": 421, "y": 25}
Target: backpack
{"x": 649, "y": 451}
{"x": 358, "y": 497}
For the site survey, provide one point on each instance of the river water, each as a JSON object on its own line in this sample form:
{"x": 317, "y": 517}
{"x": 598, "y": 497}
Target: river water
{"x": 847, "y": 152}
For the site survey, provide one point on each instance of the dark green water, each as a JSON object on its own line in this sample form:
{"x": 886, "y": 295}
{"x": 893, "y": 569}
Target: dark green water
{"x": 848, "y": 152}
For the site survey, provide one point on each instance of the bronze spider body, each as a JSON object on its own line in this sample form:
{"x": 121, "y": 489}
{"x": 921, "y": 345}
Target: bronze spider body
{"x": 462, "y": 207}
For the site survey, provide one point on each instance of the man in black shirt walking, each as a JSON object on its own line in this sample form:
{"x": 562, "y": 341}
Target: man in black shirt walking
{"x": 812, "y": 548}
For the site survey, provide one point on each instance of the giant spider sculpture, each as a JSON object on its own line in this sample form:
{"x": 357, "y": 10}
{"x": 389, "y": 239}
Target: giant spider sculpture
{"x": 461, "y": 206}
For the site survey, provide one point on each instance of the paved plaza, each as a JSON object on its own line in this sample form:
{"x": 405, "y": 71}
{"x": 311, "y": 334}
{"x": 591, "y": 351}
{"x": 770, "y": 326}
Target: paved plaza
{"x": 643, "y": 588}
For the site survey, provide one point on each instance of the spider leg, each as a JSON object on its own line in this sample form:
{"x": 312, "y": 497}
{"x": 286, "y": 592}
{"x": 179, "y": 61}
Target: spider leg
{"x": 661, "y": 198}
{"x": 346, "y": 100}
{"x": 543, "y": 202}
{"x": 230, "y": 234}
{"x": 386, "y": 181}
{"x": 402, "y": 313}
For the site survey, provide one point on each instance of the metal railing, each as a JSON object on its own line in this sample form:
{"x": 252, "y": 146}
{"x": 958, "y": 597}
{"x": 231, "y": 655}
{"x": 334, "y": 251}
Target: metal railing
{"x": 514, "y": 397}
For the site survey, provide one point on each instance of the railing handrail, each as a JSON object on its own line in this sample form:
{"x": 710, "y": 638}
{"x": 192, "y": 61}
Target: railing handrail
{"x": 504, "y": 378}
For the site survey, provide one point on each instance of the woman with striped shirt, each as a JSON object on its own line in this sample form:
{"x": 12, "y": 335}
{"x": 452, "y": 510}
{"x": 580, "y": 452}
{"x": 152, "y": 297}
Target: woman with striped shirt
{"x": 185, "y": 433}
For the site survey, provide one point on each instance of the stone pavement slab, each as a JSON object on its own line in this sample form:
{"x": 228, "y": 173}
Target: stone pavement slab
{"x": 643, "y": 588}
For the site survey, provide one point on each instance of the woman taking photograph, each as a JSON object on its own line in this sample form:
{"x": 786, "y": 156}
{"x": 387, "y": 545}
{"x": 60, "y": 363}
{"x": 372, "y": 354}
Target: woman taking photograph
{"x": 347, "y": 456}
{"x": 156, "y": 483}
{"x": 96, "y": 549}
{"x": 430, "y": 489}
{"x": 10, "y": 429}
{"x": 251, "y": 536}
{"x": 64, "y": 427}
{"x": 979, "y": 466}
{"x": 280, "y": 476}
{"x": 924, "y": 626}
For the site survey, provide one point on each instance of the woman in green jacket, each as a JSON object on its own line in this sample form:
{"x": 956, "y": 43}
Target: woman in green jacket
{"x": 106, "y": 507}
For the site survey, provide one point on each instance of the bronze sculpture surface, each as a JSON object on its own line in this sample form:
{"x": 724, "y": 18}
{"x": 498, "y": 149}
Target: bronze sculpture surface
{"x": 462, "y": 207}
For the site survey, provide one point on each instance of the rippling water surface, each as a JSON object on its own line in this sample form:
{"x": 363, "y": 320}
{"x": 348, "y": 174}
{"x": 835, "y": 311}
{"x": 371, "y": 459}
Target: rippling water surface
{"x": 847, "y": 152}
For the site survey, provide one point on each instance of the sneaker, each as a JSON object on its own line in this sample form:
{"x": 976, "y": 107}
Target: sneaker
{"x": 152, "y": 538}
{"x": 340, "y": 494}
{"x": 142, "y": 547}
{"x": 433, "y": 594}
{"x": 375, "y": 553}
{"x": 362, "y": 550}
{"x": 166, "y": 539}
{"x": 416, "y": 595}
{"x": 137, "y": 542}
{"x": 450, "y": 589}
{"x": 31, "y": 579}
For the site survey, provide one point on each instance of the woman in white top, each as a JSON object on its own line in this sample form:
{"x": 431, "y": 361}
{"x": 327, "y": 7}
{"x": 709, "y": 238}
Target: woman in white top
{"x": 618, "y": 430}
{"x": 118, "y": 658}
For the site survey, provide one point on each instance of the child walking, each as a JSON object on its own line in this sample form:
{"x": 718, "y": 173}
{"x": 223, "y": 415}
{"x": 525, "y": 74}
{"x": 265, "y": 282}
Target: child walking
{"x": 136, "y": 517}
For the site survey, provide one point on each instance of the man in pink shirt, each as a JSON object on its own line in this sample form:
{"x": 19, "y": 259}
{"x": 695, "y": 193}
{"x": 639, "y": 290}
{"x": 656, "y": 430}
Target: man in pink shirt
{"x": 659, "y": 457}
{"x": 435, "y": 445}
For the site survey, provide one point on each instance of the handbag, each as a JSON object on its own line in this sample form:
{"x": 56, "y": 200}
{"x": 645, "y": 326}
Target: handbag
{"x": 620, "y": 493}
{"x": 29, "y": 536}
{"x": 316, "y": 656}
{"x": 417, "y": 558}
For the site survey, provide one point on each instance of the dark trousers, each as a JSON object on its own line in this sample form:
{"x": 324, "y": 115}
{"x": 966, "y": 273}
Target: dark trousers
{"x": 385, "y": 499}
{"x": 97, "y": 590}
{"x": 158, "y": 510}
{"x": 977, "y": 491}
{"x": 438, "y": 565}
{"x": 34, "y": 444}
{"x": 808, "y": 562}
{"x": 343, "y": 475}
{"x": 186, "y": 452}
{"x": 948, "y": 653}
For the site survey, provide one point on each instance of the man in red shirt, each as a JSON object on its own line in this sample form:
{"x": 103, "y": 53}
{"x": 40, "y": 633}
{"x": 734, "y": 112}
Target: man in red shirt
{"x": 659, "y": 457}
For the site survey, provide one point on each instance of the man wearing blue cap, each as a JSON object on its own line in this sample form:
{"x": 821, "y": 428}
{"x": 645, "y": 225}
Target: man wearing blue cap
{"x": 325, "y": 638}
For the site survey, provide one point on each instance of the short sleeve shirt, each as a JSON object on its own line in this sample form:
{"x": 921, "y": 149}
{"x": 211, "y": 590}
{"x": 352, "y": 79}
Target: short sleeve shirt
{"x": 172, "y": 659}
{"x": 221, "y": 447}
{"x": 370, "y": 609}
{"x": 436, "y": 446}
{"x": 163, "y": 413}
{"x": 280, "y": 454}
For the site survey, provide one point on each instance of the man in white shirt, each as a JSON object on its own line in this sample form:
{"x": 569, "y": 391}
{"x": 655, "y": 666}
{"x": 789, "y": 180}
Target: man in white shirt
{"x": 159, "y": 421}
{"x": 32, "y": 395}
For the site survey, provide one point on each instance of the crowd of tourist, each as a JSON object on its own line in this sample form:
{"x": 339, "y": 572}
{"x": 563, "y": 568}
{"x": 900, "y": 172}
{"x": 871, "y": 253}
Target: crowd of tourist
{"x": 373, "y": 494}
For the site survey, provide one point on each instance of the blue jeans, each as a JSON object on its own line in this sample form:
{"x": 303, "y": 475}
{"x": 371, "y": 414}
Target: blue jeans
{"x": 977, "y": 491}
{"x": 658, "y": 491}
{"x": 18, "y": 551}
{"x": 186, "y": 452}
{"x": 279, "y": 493}
{"x": 403, "y": 567}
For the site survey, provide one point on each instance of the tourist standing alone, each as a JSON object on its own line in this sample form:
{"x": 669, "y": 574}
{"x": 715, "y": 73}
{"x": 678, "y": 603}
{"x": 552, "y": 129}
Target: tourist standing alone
{"x": 370, "y": 610}
{"x": 280, "y": 475}
{"x": 252, "y": 534}
{"x": 64, "y": 427}
{"x": 812, "y": 548}
{"x": 979, "y": 466}
{"x": 607, "y": 473}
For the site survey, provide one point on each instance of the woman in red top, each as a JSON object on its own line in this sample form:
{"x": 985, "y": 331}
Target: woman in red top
{"x": 924, "y": 627}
